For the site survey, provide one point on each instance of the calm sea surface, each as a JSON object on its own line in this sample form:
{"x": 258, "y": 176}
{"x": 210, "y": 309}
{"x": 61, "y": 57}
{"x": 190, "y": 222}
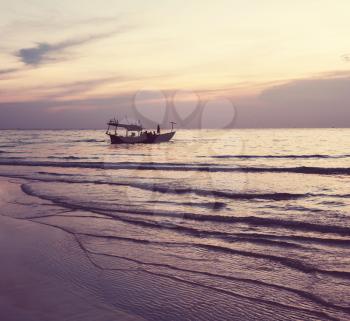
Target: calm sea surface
{"x": 258, "y": 221}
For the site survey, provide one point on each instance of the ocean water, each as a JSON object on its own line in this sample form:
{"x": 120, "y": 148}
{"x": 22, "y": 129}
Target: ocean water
{"x": 214, "y": 225}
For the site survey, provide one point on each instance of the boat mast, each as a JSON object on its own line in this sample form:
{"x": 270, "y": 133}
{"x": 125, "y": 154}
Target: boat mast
{"x": 116, "y": 126}
{"x": 172, "y": 125}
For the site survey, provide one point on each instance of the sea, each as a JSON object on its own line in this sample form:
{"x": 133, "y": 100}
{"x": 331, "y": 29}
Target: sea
{"x": 241, "y": 224}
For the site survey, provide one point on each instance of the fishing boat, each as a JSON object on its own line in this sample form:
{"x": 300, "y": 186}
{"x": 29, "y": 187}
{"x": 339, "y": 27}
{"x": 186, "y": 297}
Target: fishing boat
{"x": 122, "y": 133}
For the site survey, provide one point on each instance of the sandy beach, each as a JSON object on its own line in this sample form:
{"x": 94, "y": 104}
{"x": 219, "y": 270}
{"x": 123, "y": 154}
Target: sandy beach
{"x": 44, "y": 275}
{"x": 53, "y": 268}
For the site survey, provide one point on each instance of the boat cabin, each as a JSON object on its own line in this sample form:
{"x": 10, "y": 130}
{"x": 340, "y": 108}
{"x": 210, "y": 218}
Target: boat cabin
{"x": 134, "y": 134}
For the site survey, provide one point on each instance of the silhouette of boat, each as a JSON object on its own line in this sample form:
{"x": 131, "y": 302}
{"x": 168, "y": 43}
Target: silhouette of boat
{"x": 135, "y": 134}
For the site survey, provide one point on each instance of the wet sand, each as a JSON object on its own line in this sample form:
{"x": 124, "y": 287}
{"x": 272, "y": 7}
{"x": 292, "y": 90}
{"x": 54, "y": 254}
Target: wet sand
{"x": 37, "y": 267}
{"x": 54, "y": 268}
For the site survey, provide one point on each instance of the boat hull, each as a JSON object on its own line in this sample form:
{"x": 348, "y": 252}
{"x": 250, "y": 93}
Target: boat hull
{"x": 142, "y": 139}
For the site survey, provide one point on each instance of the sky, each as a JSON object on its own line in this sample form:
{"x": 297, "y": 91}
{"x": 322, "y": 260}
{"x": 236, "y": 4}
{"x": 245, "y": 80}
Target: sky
{"x": 224, "y": 63}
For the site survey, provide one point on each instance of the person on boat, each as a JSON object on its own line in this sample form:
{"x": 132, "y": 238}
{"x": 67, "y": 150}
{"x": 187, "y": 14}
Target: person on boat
{"x": 158, "y": 129}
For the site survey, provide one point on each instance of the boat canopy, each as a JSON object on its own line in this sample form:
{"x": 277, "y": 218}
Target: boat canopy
{"x": 129, "y": 127}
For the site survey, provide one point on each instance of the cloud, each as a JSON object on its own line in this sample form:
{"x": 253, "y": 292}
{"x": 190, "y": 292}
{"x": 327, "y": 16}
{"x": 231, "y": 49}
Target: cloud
{"x": 314, "y": 102}
{"x": 89, "y": 113}
{"x": 74, "y": 114}
{"x": 346, "y": 57}
{"x": 8, "y": 71}
{"x": 319, "y": 90}
{"x": 45, "y": 52}
{"x": 62, "y": 22}
{"x": 60, "y": 91}
{"x": 79, "y": 87}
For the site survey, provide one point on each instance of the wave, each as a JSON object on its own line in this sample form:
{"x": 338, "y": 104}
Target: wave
{"x": 57, "y": 174}
{"x": 271, "y": 222}
{"x": 276, "y": 196}
{"x": 300, "y": 293}
{"x": 209, "y": 205}
{"x": 217, "y": 199}
{"x": 12, "y": 158}
{"x": 292, "y": 263}
{"x": 49, "y": 157}
{"x": 7, "y": 146}
{"x": 88, "y": 140}
{"x": 183, "y": 167}
{"x": 304, "y": 294}
{"x": 249, "y": 220}
{"x": 9, "y": 152}
{"x": 293, "y": 239}
{"x": 275, "y": 156}
{"x": 201, "y": 192}
{"x": 71, "y": 157}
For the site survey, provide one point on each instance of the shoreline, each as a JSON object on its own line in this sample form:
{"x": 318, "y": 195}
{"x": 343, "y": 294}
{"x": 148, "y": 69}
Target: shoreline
{"x": 63, "y": 264}
{"x": 33, "y": 287}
